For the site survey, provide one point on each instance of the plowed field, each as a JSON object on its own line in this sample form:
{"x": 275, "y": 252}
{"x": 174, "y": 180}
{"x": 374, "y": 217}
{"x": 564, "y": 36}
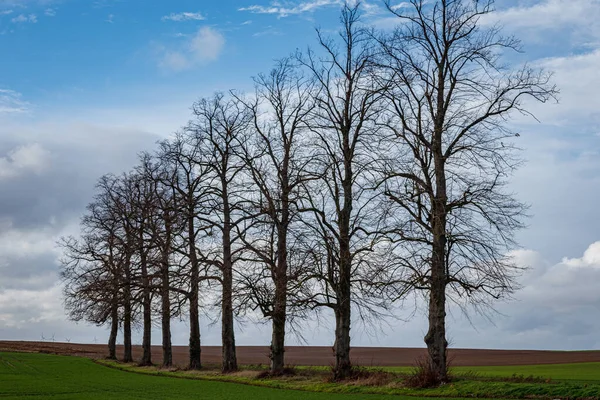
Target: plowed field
{"x": 312, "y": 355}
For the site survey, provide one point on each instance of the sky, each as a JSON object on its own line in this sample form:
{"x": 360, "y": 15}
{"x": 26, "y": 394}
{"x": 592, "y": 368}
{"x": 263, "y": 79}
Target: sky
{"x": 86, "y": 85}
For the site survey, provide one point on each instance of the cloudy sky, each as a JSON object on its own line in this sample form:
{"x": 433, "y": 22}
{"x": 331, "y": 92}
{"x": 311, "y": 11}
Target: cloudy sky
{"x": 86, "y": 85}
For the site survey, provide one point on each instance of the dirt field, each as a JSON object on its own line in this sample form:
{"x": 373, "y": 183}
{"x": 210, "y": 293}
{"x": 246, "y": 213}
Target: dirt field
{"x": 366, "y": 356}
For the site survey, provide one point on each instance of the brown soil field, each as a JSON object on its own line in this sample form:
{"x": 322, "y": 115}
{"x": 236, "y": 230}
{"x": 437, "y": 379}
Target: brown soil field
{"x": 312, "y": 355}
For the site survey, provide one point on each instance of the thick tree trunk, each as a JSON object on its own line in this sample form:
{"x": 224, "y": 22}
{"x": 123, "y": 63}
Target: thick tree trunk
{"x": 343, "y": 365}
{"x": 167, "y": 349}
{"x": 227, "y": 333}
{"x": 278, "y": 342}
{"x": 147, "y": 311}
{"x": 114, "y": 330}
{"x": 279, "y": 308}
{"x": 165, "y": 297}
{"x": 127, "y": 353}
{"x": 166, "y": 307}
{"x": 195, "y": 349}
{"x": 436, "y": 334}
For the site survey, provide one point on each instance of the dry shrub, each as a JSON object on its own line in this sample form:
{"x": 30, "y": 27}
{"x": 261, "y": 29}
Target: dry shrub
{"x": 361, "y": 376}
{"x": 287, "y": 371}
{"x": 423, "y": 376}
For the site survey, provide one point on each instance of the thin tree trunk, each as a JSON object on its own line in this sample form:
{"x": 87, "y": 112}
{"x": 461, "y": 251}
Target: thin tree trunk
{"x": 227, "y": 332}
{"x": 195, "y": 349}
{"x": 127, "y": 353}
{"x": 166, "y": 300}
{"x": 147, "y": 311}
{"x": 114, "y": 329}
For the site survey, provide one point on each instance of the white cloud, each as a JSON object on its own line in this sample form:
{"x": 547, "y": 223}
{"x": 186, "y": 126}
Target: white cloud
{"x": 207, "y": 45}
{"x": 290, "y": 8}
{"x": 19, "y": 243}
{"x": 49, "y": 12}
{"x": 578, "y": 79}
{"x": 567, "y": 287}
{"x": 22, "y": 18}
{"x": 20, "y": 308}
{"x": 175, "y": 61}
{"x": 25, "y": 159}
{"x": 11, "y": 102}
{"x": 6, "y": 12}
{"x": 549, "y": 14}
{"x": 184, "y": 16}
{"x": 268, "y": 31}
{"x": 202, "y": 48}
{"x": 590, "y": 259}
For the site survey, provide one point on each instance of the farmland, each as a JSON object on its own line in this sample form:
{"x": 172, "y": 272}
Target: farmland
{"x": 549, "y": 375}
{"x": 28, "y": 375}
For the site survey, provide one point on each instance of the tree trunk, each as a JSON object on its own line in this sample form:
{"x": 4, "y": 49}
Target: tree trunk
{"x": 147, "y": 311}
{"x": 343, "y": 365}
{"x": 227, "y": 333}
{"x": 436, "y": 334}
{"x": 279, "y": 308}
{"x": 195, "y": 349}
{"x": 114, "y": 330}
{"x": 166, "y": 305}
{"x": 127, "y": 354}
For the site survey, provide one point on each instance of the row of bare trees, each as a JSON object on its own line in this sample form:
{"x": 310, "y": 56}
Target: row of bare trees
{"x": 358, "y": 173}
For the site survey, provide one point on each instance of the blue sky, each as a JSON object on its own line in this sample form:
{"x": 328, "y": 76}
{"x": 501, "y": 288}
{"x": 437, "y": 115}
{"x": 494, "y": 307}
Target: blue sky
{"x": 66, "y": 51}
{"x": 86, "y": 85}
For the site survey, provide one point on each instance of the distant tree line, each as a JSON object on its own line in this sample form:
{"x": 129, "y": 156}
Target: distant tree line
{"x": 357, "y": 173}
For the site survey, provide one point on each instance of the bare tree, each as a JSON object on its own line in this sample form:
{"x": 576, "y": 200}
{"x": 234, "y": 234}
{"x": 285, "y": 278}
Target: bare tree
{"x": 165, "y": 224}
{"x": 218, "y": 124}
{"x": 117, "y": 190}
{"x": 89, "y": 278}
{"x": 92, "y": 266}
{"x": 140, "y": 194}
{"x": 275, "y": 159}
{"x": 346, "y": 104}
{"x": 190, "y": 183}
{"x": 449, "y": 102}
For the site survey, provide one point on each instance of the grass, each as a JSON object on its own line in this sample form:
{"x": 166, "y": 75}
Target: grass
{"x": 40, "y": 376}
{"x": 469, "y": 382}
{"x": 580, "y": 372}
{"x": 28, "y": 375}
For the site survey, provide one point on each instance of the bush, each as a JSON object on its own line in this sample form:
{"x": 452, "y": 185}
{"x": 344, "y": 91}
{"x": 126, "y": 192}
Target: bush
{"x": 423, "y": 376}
{"x": 287, "y": 371}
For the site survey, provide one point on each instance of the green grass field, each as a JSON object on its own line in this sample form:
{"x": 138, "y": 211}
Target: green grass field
{"x": 582, "y": 372}
{"x": 29, "y": 375}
